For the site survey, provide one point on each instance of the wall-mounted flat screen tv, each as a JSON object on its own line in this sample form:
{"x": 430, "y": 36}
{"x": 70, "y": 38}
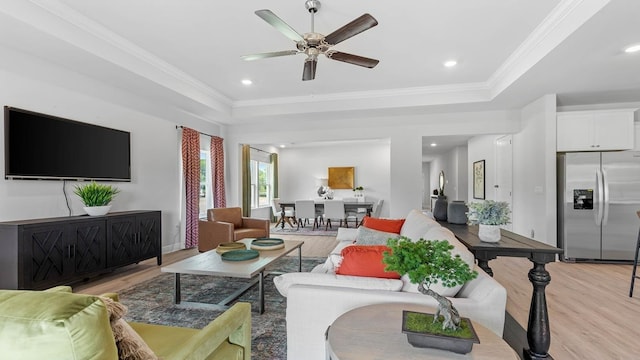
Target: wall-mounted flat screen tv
{"x": 39, "y": 146}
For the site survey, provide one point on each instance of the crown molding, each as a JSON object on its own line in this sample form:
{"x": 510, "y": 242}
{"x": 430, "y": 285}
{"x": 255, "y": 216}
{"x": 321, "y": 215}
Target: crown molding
{"x": 60, "y": 21}
{"x": 563, "y": 20}
{"x": 364, "y": 100}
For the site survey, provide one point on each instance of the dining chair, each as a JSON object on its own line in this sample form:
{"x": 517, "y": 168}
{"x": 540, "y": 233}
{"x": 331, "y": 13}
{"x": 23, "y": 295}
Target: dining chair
{"x": 289, "y": 214}
{"x": 333, "y": 209}
{"x": 377, "y": 209}
{"x": 635, "y": 263}
{"x": 354, "y": 215}
{"x": 306, "y": 210}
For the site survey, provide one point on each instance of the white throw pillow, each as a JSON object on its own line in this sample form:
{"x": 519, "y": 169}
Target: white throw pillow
{"x": 283, "y": 282}
{"x": 441, "y": 233}
{"x": 346, "y": 234}
{"x": 335, "y": 258}
{"x": 416, "y": 225}
{"x": 368, "y": 236}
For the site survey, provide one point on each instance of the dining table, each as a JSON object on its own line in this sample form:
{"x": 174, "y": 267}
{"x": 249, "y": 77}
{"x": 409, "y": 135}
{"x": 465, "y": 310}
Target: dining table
{"x": 348, "y": 206}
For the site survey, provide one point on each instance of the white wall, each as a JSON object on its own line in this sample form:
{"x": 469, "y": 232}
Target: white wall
{"x": 453, "y": 163}
{"x": 426, "y": 183}
{"x": 155, "y": 160}
{"x": 405, "y": 134}
{"x": 534, "y": 172}
{"x": 301, "y": 167}
{"x": 482, "y": 148}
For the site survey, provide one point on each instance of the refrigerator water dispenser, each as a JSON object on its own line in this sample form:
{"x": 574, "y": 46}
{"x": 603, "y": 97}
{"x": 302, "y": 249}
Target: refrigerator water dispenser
{"x": 583, "y": 199}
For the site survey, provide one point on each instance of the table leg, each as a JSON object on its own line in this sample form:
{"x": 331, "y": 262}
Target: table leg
{"x": 282, "y": 217}
{"x": 176, "y": 289}
{"x": 538, "y": 333}
{"x": 299, "y": 258}
{"x": 484, "y": 265}
{"x": 261, "y": 292}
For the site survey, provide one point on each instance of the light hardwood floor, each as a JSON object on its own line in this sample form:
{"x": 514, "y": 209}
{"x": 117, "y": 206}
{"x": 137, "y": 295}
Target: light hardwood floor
{"x": 590, "y": 313}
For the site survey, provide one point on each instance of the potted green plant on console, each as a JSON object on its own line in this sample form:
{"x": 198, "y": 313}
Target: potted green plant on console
{"x": 489, "y": 215}
{"x": 96, "y": 197}
{"x": 428, "y": 262}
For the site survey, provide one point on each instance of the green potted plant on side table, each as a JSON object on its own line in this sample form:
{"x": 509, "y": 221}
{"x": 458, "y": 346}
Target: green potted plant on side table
{"x": 428, "y": 262}
{"x": 96, "y": 197}
{"x": 489, "y": 215}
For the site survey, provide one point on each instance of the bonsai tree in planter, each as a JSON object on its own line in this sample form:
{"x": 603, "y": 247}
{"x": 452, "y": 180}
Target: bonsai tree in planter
{"x": 96, "y": 195}
{"x": 428, "y": 262}
{"x": 489, "y": 215}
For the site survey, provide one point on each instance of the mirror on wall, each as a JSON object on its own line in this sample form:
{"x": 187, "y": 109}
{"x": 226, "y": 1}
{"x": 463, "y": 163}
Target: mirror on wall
{"x": 441, "y": 183}
{"x": 447, "y": 154}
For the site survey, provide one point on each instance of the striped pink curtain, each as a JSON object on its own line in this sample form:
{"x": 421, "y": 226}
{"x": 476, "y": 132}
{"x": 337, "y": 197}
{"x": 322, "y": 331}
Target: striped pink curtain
{"x": 191, "y": 170}
{"x": 217, "y": 166}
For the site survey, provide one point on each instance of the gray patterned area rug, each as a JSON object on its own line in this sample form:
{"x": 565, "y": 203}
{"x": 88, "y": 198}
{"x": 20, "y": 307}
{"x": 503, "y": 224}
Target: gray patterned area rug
{"x": 152, "y": 302}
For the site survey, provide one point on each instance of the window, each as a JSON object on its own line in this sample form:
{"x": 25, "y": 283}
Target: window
{"x": 261, "y": 179}
{"x": 205, "y": 184}
{"x": 206, "y": 175}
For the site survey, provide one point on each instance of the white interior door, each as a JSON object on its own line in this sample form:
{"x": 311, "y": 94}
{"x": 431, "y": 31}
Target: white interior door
{"x": 504, "y": 173}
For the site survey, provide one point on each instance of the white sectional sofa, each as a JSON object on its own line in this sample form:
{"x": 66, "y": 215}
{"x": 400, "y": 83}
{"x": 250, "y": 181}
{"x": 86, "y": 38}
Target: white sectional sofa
{"x": 316, "y": 299}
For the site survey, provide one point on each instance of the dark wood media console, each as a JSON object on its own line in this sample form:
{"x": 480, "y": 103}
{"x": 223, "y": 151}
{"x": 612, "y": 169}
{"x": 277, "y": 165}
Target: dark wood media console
{"x": 41, "y": 253}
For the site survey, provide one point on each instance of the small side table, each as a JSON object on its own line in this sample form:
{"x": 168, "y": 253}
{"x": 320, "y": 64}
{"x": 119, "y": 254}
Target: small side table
{"x": 374, "y": 332}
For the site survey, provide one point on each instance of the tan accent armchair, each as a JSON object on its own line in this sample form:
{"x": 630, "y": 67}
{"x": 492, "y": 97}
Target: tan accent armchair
{"x": 228, "y": 225}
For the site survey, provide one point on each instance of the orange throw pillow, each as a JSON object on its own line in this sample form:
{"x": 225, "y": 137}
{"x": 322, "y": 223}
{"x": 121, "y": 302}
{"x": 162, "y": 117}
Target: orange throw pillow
{"x": 365, "y": 260}
{"x": 386, "y": 225}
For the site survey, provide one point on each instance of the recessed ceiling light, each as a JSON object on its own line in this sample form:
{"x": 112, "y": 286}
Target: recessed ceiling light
{"x": 632, "y": 48}
{"x": 247, "y": 82}
{"x": 283, "y": 146}
{"x": 450, "y": 63}
{"x": 434, "y": 144}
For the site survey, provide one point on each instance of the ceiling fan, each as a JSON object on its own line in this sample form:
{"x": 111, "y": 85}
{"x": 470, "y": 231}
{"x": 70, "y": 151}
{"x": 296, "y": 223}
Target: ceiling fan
{"x": 313, "y": 44}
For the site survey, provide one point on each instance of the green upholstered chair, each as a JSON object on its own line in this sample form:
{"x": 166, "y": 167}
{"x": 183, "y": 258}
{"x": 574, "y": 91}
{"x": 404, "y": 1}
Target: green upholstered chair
{"x": 58, "y": 324}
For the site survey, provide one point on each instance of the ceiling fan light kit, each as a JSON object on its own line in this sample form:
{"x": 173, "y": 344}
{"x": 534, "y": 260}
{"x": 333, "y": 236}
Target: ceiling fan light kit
{"x": 313, "y": 44}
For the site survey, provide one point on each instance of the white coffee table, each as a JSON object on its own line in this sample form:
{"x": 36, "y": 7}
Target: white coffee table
{"x": 210, "y": 263}
{"x": 374, "y": 332}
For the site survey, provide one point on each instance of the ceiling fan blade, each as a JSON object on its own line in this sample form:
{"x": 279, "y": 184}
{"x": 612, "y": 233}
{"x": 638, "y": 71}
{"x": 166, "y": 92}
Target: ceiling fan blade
{"x": 352, "y": 59}
{"x": 353, "y": 28}
{"x": 309, "y": 72}
{"x": 279, "y": 24}
{"x": 268, "y": 55}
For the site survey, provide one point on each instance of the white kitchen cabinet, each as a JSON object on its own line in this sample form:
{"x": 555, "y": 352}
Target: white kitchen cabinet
{"x": 595, "y": 130}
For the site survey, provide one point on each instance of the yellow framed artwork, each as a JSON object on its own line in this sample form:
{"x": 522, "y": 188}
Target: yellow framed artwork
{"x": 341, "y": 177}
{"x": 478, "y": 179}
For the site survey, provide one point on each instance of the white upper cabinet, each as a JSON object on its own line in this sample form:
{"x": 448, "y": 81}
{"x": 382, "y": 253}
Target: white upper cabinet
{"x": 596, "y": 130}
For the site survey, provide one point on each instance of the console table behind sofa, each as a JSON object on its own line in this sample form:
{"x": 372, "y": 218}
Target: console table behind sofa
{"x": 514, "y": 245}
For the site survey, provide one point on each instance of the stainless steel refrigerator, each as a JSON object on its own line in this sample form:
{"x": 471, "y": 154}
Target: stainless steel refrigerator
{"x": 598, "y": 197}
